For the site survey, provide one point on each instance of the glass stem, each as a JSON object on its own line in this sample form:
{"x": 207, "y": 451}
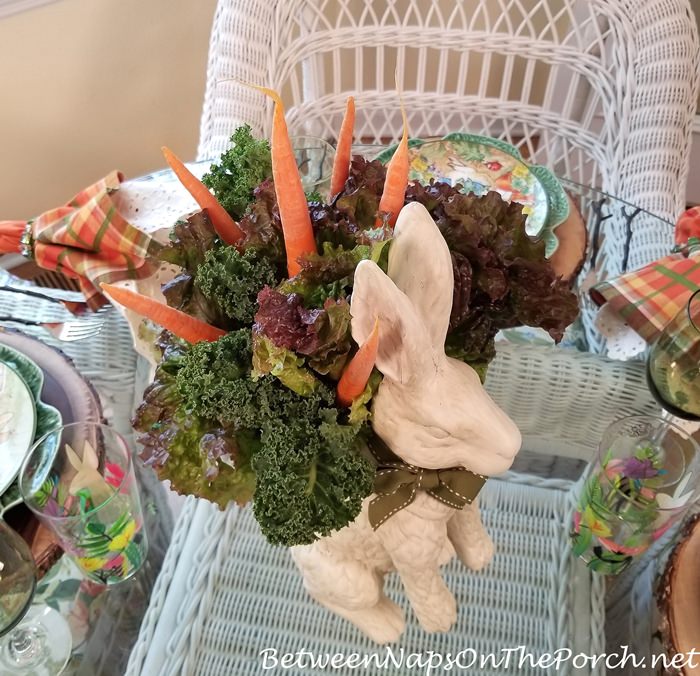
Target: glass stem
{"x": 26, "y": 647}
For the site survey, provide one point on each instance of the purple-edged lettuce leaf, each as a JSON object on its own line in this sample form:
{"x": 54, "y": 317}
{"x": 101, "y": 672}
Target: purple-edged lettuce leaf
{"x": 331, "y": 273}
{"x": 502, "y": 278}
{"x": 190, "y": 239}
{"x": 198, "y": 456}
{"x": 322, "y": 335}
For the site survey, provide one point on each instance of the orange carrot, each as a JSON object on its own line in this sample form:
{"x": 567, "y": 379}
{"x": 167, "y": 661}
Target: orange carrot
{"x": 394, "y": 192}
{"x": 291, "y": 200}
{"x": 341, "y": 163}
{"x": 356, "y": 374}
{"x": 181, "y": 324}
{"x": 224, "y": 225}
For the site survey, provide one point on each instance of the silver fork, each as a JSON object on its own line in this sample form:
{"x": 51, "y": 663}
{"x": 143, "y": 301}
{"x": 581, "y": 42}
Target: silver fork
{"x": 68, "y": 331}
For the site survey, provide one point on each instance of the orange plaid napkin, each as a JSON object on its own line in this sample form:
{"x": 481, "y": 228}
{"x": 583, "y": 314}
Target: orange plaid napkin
{"x": 648, "y": 298}
{"x": 87, "y": 240}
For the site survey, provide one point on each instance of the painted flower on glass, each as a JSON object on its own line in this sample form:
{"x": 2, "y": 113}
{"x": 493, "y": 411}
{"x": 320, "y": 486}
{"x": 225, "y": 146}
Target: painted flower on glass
{"x": 639, "y": 468}
{"x": 596, "y": 525}
{"x": 120, "y": 541}
{"x": 90, "y": 563}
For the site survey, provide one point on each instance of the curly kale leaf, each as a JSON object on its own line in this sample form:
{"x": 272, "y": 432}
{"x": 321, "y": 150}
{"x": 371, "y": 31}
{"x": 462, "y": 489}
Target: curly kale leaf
{"x": 231, "y": 281}
{"x": 240, "y": 169}
{"x": 312, "y": 479}
{"x": 310, "y": 475}
{"x": 214, "y": 380}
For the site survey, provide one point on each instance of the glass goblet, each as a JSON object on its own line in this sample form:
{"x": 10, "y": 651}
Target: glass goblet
{"x": 673, "y": 363}
{"x": 314, "y": 157}
{"x": 38, "y": 642}
{"x": 643, "y": 479}
{"x": 79, "y": 481}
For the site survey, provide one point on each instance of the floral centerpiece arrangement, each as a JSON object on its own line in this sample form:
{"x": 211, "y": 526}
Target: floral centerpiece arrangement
{"x": 262, "y": 393}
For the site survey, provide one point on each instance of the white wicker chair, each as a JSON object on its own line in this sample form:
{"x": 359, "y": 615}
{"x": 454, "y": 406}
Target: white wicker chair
{"x": 601, "y": 91}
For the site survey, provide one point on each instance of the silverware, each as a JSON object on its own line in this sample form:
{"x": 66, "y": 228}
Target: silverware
{"x": 69, "y": 299}
{"x": 69, "y": 331}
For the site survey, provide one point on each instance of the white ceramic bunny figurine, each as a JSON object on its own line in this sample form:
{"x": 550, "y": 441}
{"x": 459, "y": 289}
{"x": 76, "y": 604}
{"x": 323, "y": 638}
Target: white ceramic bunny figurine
{"x": 432, "y": 412}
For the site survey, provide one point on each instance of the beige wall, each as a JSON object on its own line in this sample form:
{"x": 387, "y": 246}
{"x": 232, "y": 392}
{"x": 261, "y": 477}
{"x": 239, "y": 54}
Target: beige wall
{"x": 93, "y": 85}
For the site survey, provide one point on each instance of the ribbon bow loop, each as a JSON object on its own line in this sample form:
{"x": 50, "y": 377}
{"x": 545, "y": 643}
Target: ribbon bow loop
{"x": 396, "y": 484}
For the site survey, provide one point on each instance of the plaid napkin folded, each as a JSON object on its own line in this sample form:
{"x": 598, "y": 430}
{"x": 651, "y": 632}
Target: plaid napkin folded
{"x": 87, "y": 239}
{"x": 648, "y": 298}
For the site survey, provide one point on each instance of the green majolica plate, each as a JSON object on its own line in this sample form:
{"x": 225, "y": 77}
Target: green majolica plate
{"x": 481, "y": 164}
{"x": 17, "y": 423}
{"x": 30, "y": 418}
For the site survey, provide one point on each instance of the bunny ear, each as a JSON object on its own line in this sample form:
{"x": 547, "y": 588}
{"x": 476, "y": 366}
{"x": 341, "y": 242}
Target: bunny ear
{"x": 421, "y": 266}
{"x": 404, "y": 344}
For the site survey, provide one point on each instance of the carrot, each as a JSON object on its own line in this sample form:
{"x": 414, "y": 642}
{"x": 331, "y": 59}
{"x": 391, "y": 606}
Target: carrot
{"x": 341, "y": 163}
{"x": 356, "y": 374}
{"x": 224, "y": 225}
{"x": 394, "y": 192}
{"x": 181, "y": 324}
{"x": 291, "y": 200}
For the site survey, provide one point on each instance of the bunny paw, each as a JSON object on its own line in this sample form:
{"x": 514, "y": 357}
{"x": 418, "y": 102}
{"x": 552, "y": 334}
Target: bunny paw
{"x": 478, "y": 555}
{"x": 440, "y": 615}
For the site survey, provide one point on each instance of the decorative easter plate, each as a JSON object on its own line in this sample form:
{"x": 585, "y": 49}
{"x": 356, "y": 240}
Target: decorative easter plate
{"x": 481, "y": 164}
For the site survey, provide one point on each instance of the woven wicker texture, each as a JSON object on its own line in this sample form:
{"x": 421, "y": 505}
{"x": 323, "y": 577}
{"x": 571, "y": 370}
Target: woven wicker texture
{"x": 242, "y": 596}
{"x": 602, "y": 91}
{"x": 562, "y": 400}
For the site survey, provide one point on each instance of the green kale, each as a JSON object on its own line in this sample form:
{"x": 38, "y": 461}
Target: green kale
{"x": 312, "y": 478}
{"x": 240, "y": 169}
{"x": 230, "y": 281}
{"x": 214, "y": 380}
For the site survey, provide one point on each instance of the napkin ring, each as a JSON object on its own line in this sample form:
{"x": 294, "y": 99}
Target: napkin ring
{"x": 26, "y": 242}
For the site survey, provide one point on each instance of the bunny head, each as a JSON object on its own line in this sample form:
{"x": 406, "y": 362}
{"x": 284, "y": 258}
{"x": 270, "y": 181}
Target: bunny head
{"x": 431, "y": 410}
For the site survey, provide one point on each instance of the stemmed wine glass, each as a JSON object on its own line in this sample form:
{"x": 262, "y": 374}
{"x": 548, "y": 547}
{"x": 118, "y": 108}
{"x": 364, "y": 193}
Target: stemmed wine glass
{"x": 673, "y": 363}
{"x": 37, "y": 642}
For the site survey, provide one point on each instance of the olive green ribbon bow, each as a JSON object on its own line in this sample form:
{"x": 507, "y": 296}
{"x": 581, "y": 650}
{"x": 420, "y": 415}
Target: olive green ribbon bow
{"x": 396, "y": 484}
